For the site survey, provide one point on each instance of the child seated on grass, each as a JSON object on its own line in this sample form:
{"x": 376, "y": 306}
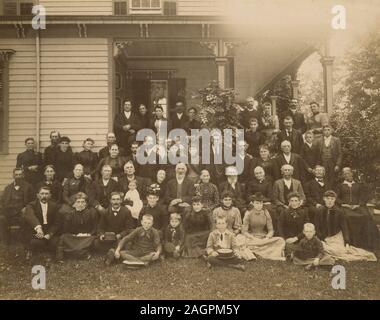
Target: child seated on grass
{"x": 140, "y": 247}
{"x": 174, "y": 236}
{"x": 309, "y": 251}
{"x": 221, "y": 247}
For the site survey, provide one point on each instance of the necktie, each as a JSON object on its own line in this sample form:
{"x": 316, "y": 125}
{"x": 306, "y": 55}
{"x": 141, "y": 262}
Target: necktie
{"x": 221, "y": 237}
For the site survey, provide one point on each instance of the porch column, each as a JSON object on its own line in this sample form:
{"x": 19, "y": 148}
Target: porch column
{"x": 274, "y": 104}
{"x": 221, "y": 65}
{"x": 327, "y": 63}
{"x": 295, "y": 88}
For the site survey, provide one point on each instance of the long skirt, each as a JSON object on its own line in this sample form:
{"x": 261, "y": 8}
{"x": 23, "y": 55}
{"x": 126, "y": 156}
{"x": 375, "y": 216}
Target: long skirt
{"x": 363, "y": 230}
{"x": 78, "y": 246}
{"x": 195, "y": 244}
{"x": 272, "y": 249}
{"x": 334, "y": 246}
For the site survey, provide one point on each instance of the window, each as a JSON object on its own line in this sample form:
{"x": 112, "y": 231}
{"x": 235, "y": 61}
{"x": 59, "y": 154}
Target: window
{"x": 145, "y": 7}
{"x": 120, "y": 8}
{"x": 170, "y": 8}
{"x": 17, "y": 7}
{"x": 4, "y": 57}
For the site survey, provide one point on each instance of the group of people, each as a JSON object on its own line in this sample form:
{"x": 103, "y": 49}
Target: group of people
{"x": 290, "y": 201}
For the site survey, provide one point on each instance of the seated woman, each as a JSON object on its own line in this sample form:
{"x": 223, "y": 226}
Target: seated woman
{"x": 74, "y": 184}
{"x": 79, "y": 229}
{"x": 291, "y": 222}
{"x": 115, "y": 160}
{"x": 229, "y": 212}
{"x": 260, "y": 183}
{"x": 353, "y": 197}
{"x": 265, "y": 161}
{"x": 88, "y": 158}
{"x": 207, "y": 191}
{"x": 197, "y": 228}
{"x": 54, "y": 185}
{"x": 257, "y": 232}
{"x": 332, "y": 229}
{"x": 160, "y": 184}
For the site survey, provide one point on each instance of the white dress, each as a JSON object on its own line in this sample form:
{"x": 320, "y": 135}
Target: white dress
{"x": 134, "y": 196}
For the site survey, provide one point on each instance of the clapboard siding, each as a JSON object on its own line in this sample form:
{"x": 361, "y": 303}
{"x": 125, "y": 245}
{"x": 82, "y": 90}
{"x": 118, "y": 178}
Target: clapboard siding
{"x": 201, "y": 7}
{"x": 74, "y": 93}
{"x": 74, "y": 89}
{"x": 22, "y": 101}
{"x": 75, "y": 7}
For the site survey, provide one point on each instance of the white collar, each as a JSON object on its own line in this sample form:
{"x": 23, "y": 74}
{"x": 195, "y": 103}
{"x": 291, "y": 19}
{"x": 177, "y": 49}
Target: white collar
{"x": 348, "y": 183}
{"x": 180, "y": 179}
{"x": 127, "y": 113}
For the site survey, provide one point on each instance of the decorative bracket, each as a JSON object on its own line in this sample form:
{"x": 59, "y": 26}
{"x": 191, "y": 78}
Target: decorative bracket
{"x": 205, "y": 30}
{"x": 212, "y": 46}
{"x": 6, "y": 54}
{"x": 20, "y": 30}
{"x": 144, "y": 30}
{"x": 231, "y": 46}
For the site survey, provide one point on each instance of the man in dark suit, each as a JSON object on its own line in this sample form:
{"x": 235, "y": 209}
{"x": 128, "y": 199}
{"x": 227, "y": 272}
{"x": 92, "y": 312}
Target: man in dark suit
{"x": 126, "y": 125}
{"x": 105, "y": 151}
{"x": 192, "y": 123}
{"x": 42, "y": 224}
{"x": 49, "y": 152}
{"x": 309, "y": 153}
{"x": 31, "y": 162}
{"x": 298, "y": 117}
{"x": 314, "y": 191}
{"x": 180, "y": 189}
{"x": 329, "y": 152}
{"x": 15, "y": 197}
{"x": 103, "y": 188}
{"x": 288, "y": 157}
{"x": 133, "y": 156}
{"x": 249, "y": 112}
{"x": 116, "y": 219}
{"x": 179, "y": 119}
{"x": 290, "y": 134}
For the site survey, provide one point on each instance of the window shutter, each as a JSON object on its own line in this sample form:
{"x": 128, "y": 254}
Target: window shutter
{"x": 170, "y": 8}
{"x": 10, "y": 7}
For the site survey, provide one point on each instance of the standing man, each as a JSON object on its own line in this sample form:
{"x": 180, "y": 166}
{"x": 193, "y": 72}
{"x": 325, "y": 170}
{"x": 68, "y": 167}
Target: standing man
{"x": 289, "y": 133}
{"x": 249, "y": 112}
{"x": 13, "y": 201}
{"x": 192, "y": 123}
{"x": 298, "y": 117}
{"x": 179, "y": 118}
{"x": 31, "y": 162}
{"x": 105, "y": 151}
{"x": 329, "y": 154}
{"x": 316, "y": 120}
{"x": 126, "y": 125}
{"x": 49, "y": 153}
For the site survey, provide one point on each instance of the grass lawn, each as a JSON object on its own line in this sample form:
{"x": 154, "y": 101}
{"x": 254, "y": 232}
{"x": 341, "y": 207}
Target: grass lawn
{"x": 183, "y": 279}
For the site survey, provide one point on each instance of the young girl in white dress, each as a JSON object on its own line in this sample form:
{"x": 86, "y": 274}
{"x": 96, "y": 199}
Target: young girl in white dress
{"x": 132, "y": 199}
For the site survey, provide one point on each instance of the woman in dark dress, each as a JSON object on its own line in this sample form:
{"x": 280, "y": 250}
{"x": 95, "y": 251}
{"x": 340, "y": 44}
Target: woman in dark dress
{"x": 88, "y": 158}
{"x": 31, "y": 162}
{"x": 197, "y": 228}
{"x": 79, "y": 229}
{"x": 64, "y": 159}
{"x": 144, "y": 116}
{"x": 53, "y": 184}
{"x": 115, "y": 160}
{"x": 264, "y": 161}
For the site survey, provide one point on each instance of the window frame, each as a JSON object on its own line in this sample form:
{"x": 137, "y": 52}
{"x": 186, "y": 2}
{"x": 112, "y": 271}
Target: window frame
{"x": 18, "y": 7}
{"x": 141, "y": 10}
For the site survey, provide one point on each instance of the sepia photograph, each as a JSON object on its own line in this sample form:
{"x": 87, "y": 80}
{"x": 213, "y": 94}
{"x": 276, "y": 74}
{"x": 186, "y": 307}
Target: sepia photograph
{"x": 194, "y": 150}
